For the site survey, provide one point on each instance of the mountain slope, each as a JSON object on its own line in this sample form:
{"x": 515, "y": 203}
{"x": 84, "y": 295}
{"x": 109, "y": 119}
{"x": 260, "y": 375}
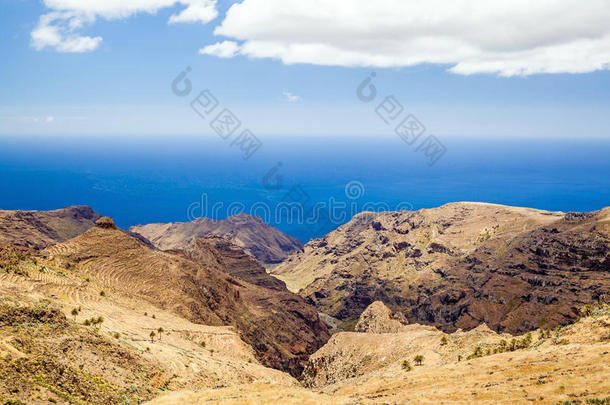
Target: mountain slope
{"x": 459, "y": 265}
{"x": 50, "y": 351}
{"x": 280, "y": 326}
{"x": 265, "y": 243}
{"x": 39, "y": 229}
{"x": 569, "y": 365}
{"x": 217, "y": 252}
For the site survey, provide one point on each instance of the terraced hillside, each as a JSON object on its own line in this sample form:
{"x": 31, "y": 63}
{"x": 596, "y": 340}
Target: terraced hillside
{"x": 263, "y": 242}
{"x": 280, "y": 326}
{"x": 459, "y": 265}
{"x": 53, "y": 347}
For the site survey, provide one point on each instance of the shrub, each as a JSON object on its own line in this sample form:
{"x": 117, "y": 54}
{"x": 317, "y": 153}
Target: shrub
{"x": 406, "y": 365}
{"x": 587, "y": 310}
{"x": 443, "y": 341}
{"x": 102, "y": 293}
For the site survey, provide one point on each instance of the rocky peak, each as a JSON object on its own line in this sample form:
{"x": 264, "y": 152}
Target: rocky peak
{"x": 377, "y": 318}
{"x": 105, "y": 223}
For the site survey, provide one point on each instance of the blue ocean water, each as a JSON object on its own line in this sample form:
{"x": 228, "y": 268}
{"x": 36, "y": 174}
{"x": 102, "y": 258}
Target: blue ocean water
{"x": 140, "y": 180}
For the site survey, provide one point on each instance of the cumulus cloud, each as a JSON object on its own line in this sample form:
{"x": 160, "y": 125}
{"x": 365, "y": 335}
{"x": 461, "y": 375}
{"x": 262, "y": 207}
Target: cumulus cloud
{"x": 225, "y": 49}
{"x": 59, "y": 28}
{"x": 519, "y": 37}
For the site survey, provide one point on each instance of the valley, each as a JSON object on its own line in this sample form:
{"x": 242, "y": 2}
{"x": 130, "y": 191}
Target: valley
{"x": 463, "y": 303}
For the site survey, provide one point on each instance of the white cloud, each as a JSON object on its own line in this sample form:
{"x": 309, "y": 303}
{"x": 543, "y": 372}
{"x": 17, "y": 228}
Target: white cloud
{"x": 198, "y": 11}
{"x": 291, "y": 98}
{"x": 225, "y": 49}
{"x": 57, "y": 30}
{"x": 49, "y": 119}
{"x": 59, "y": 27}
{"x": 517, "y": 37}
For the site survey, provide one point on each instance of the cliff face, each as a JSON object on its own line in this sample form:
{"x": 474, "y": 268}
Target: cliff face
{"x": 39, "y": 229}
{"x": 459, "y": 265}
{"x": 263, "y": 242}
{"x": 217, "y": 252}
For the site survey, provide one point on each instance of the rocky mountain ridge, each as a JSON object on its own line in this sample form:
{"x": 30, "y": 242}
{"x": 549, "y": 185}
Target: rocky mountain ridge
{"x": 459, "y": 265}
{"x": 40, "y": 229}
{"x": 263, "y": 242}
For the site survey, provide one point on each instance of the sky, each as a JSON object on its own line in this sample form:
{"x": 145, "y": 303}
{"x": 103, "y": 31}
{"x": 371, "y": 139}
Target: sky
{"x": 293, "y": 67}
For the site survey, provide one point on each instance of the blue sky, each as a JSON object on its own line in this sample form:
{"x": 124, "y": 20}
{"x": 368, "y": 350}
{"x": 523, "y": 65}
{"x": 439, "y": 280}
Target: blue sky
{"x": 123, "y": 85}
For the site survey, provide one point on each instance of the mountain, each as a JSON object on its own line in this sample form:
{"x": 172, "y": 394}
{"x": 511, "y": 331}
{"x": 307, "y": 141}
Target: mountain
{"x": 281, "y": 327}
{"x": 63, "y": 341}
{"x": 458, "y": 266}
{"x": 39, "y": 229}
{"x": 265, "y": 243}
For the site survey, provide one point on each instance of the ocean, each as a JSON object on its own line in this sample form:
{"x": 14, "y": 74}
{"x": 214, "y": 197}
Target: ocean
{"x": 306, "y": 186}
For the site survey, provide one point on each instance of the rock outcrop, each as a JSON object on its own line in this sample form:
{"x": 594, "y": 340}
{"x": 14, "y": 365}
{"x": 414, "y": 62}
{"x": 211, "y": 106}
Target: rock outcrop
{"x": 377, "y": 318}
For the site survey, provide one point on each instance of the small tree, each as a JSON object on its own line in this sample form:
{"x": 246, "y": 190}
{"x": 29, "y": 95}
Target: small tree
{"x": 152, "y": 336}
{"x": 443, "y": 340}
{"x": 419, "y": 359}
{"x": 160, "y": 330}
{"x": 74, "y": 313}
